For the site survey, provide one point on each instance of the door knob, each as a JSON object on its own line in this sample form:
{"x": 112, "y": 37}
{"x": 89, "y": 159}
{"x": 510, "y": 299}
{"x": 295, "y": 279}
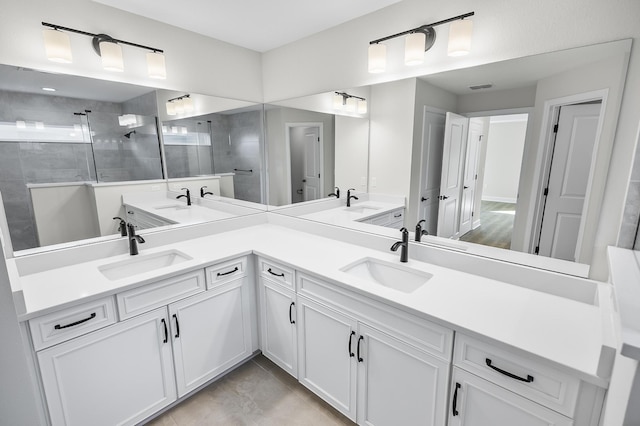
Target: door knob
{"x": 465, "y": 187}
{"x": 442, "y": 197}
{"x": 422, "y": 199}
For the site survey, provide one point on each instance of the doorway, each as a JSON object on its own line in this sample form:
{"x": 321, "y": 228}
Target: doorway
{"x": 304, "y": 145}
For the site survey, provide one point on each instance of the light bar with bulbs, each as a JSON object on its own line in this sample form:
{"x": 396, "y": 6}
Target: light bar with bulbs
{"x": 421, "y": 39}
{"x": 180, "y": 105}
{"x": 58, "y": 49}
{"x": 349, "y": 103}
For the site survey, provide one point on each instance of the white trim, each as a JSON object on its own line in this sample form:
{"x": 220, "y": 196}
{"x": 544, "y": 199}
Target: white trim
{"x": 287, "y": 137}
{"x": 543, "y": 158}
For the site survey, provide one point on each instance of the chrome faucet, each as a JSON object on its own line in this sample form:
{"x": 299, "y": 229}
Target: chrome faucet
{"x": 349, "y": 196}
{"x": 122, "y": 226}
{"x": 404, "y": 252}
{"x": 335, "y": 194}
{"x": 187, "y": 196}
{"x": 133, "y": 239}
{"x": 419, "y": 231}
{"x": 202, "y": 193}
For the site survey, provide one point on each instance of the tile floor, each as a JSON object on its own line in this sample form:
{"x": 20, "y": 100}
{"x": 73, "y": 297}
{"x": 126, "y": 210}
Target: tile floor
{"x": 256, "y": 393}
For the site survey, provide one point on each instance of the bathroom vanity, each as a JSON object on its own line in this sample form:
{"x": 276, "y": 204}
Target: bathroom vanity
{"x": 117, "y": 338}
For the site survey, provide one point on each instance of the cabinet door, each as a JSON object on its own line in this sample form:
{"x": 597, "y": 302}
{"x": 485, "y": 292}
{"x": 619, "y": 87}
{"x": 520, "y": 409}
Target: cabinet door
{"x": 211, "y": 332}
{"x": 115, "y": 376}
{"x": 326, "y": 359}
{"x": 478, "y": 402}
{"x": 278, "y": 326}
{"x": 397, "y": 383}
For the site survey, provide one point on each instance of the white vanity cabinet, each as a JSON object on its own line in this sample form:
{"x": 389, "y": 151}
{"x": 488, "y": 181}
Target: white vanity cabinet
{"x": 367, "y": 369}
{"x": 492, "y": 385}
{"x": 278, "y": 325}
{"x": 117, "y": 375}
{"x": 173, "y": 336}
{"x": 393, "y": 219}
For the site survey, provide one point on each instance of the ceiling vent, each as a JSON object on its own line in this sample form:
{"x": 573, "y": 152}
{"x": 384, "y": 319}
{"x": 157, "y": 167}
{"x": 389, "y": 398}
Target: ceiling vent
{"x": 481, "y": 86}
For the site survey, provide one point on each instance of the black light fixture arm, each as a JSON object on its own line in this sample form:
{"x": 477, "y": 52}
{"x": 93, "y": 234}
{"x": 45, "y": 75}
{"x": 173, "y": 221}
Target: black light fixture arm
{"x": 346, "y": 95}
{"x": 422, "y": 28}
{"x": 179, "y": 98}
{"x": 102, "y": 37}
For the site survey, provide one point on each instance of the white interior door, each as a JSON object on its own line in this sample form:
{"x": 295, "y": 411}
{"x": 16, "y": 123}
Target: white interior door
{"x": 431, "y": 168}
{"x": 568, "y": 178}
{"x": 311, "y": 180}
{"x": 470, "y": 175}
{"x": 454, "y": 150}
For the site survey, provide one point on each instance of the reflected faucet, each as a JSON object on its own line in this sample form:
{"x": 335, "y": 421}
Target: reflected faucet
{"x": 349, "y": 196}
{"x": 122, "y": 226}
{"x": 419, "y": 231}
{"x": 404, "y": 244}
{"x": 202, "y": 193}
{"x": 335, "y": 194}
{"x": 133, "y": 239}
{"x": 187, "y": 196}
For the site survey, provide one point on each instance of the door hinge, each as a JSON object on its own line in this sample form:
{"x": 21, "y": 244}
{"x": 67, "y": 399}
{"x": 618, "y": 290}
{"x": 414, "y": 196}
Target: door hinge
{"x": 476, "y": 178}
{"x": 546, "y": 191}
{"x": 537, "y": 250}
{"x": 555, "y": 128}
{"x": 318, "y": 174}
{"x": 318, "y": 138}
{"x": 472, "y": 214}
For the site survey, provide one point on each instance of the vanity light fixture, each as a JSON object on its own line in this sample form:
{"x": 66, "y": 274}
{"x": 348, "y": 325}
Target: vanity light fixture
{"x": 350, "y": 103}
{"x": 421, "y": 39}
{"x": 58, "y": 49}
{"x": 180, "y": 105}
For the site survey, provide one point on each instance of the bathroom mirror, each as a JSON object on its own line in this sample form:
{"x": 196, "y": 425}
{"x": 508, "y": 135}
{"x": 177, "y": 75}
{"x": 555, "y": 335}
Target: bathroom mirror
{"x": 70, "y": 147}
{"x": 510, "y": 115}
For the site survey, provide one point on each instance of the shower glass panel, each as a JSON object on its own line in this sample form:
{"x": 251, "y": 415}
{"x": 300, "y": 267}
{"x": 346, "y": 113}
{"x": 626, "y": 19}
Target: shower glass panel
{"x": 187, "y": 147}
{"x": 38, "y": 147}
{"x": 125, "y": 146}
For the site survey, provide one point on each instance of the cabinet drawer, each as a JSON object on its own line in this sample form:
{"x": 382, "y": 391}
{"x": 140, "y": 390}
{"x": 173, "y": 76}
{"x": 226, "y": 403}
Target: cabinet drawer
{"x": 142, "y": 299}
{"x": 546, "y": 385}
{"x": 276, "y": 272}
{"x": 226, "y": 271}
{"x": 57, "y": 327}
{"x": 423, "y": 334}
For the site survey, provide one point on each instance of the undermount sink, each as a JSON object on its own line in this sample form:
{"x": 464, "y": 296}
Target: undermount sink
{"x": 362, "y": 209}
{"x": 142, "y": 263}
{"x": 388, "y": 274}
{"x": 172, "y": 207}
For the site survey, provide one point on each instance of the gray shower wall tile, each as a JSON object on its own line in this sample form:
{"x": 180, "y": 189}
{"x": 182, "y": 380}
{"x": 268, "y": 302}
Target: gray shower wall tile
{"x": 10, "y": 165}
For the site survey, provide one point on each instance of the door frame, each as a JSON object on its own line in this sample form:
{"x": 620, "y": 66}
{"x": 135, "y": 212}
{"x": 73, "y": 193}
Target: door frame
{"x": 287, "y": 144}
{"x": 551, "y": 111}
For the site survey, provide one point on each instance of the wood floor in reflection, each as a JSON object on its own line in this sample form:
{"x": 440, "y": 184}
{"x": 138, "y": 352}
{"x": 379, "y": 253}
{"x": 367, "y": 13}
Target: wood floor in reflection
{"x": 256, "y": 393}
{"x": 496, "y": 225}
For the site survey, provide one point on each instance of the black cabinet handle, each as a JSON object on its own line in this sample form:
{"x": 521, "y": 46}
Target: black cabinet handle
{"x": 221, "y": 274}
{"x": 273, "y": 273}
{"x": 60, "y": 327}
{"x": 351, "y": 354}
{"x": 398, "y": 215}
{"x": 175, "y": 317}
{"x": 291, "y": 320}
{"x": 360, "y": 339}
{"x": 529, "y": 378}
{"x": 130, "y": 212}
{"x": 166, "y": 332}
{"x": 454, "y": 405}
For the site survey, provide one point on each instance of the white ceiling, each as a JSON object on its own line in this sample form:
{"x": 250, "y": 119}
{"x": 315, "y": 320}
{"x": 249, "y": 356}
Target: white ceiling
{"x": 258, "y": 25}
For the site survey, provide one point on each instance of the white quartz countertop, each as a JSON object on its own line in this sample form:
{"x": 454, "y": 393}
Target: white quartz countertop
{"x": 358, "y": 211}
{"x": 558, "y": 329}
{"x": 178, "y": 211}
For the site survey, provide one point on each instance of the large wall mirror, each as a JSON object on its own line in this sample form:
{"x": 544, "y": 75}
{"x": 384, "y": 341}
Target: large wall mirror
{"x": 71, "y": 147}
{"x": 488, "y": 164}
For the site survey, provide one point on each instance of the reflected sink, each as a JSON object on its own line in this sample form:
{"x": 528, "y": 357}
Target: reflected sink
{"x": 388, "y": 274}
{"x": 362, "y": 209}
{"x": 142, "y": 263}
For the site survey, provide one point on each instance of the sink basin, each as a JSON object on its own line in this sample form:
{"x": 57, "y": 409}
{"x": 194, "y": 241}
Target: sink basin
{"x": 388, "y": 274}
{"x": 142, "y": 263}
{"x": 172, "y": 207}
{"x": 362, "y": 209}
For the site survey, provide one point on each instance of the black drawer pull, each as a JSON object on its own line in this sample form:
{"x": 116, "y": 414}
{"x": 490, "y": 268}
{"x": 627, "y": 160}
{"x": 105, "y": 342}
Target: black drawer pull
{"x": 398, "y": 215}
{"x": 454, "y": 405}
{"x": 60, "y": 327}
{"x": 221, "y": 274}
{"x": 360, "y": 339}
{"x": 529, "y": 378}
{"x": 273, "y": 273}
{"x": 291, "y": 320}
{"x": 175, "y": 317}
{"x": 351, "y": 354}
{"x": 166, "y": 332}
